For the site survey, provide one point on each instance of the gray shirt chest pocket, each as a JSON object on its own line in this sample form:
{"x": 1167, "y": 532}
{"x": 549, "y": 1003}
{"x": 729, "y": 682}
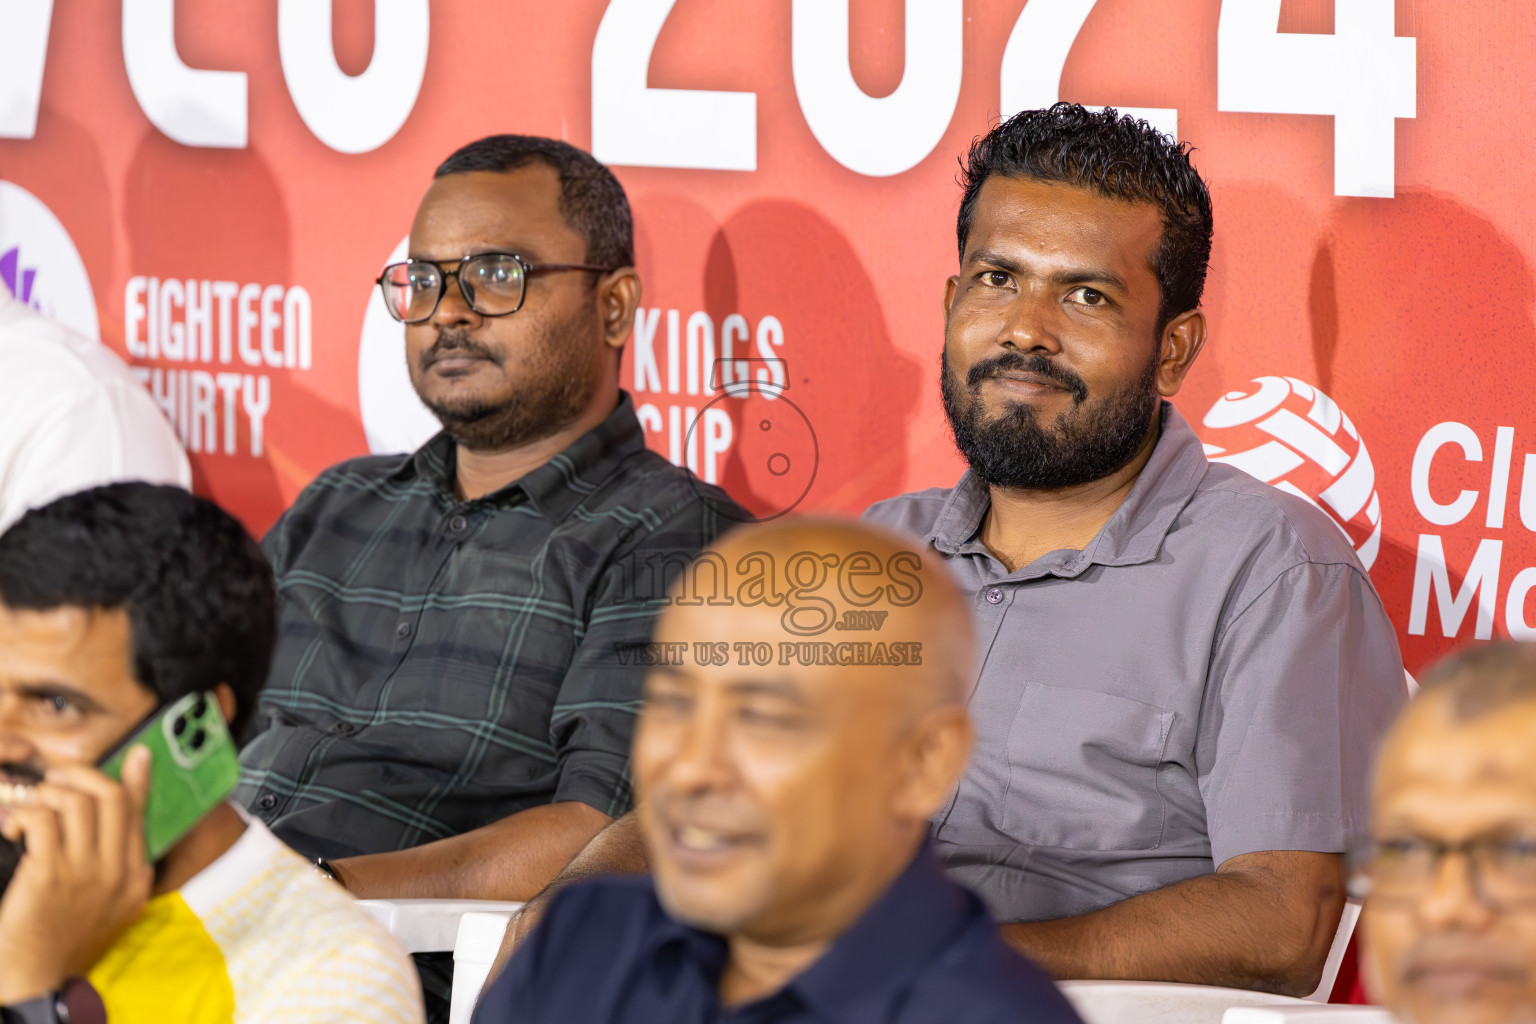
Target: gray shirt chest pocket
{"x": 1082, "y": 771}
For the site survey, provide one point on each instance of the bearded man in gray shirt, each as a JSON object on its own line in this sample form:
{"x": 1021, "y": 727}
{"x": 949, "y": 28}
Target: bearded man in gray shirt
{"x": 1184, "y": 671}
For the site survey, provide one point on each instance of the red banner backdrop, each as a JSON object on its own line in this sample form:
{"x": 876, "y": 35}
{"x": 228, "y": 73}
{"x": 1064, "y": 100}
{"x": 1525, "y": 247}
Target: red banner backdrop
{"x": 212, "y": 187}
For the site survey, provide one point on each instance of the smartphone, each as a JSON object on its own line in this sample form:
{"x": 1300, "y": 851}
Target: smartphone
{"x": 193, "y": 768}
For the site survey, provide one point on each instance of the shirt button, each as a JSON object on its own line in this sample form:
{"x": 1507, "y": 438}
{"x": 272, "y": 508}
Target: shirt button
{"x": 267, "y": 801}
{"x": 995, "y": 596}
{"x": 458, "y": 524}
{"x": 403, "y": 630}
{"x": 344, "y": 729}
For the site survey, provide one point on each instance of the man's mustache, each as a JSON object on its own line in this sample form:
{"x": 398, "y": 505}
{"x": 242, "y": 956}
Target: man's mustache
{"x": 455, "y": 343}
{"x": 1451, "y": 951}
{"x": 15, "y": 773}
{"x": 21, "y": 773}
{"x": 10, "y": 859}
{"x": 1039, "y": 365}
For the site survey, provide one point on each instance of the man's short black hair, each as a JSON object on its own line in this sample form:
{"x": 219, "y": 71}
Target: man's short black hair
{"x": 591, "y": 199}
{"x": 1116, "y": 156}
{"x": 198, "y": 593}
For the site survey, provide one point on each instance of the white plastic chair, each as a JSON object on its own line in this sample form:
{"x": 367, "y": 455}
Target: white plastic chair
{"x": 1147, "y": 1002}
{"x": 474, "y": 929}
{"x": 1341, "y": 936}
{"x": 438, "y": 926}
{"x": 1313, "y": 1014}
{"x": 1162, "y": 1002}
{"x": 430, "y": 926}
{"x": 474, "y": 952}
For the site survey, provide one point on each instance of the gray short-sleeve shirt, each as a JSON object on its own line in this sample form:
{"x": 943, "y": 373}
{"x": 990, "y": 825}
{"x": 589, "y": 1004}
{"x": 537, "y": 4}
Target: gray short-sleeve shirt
{"x": 1209, "y": 677}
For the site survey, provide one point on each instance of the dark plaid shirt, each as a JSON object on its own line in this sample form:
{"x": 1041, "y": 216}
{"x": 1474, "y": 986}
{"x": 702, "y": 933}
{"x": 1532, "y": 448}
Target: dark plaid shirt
{"x": 442, "y": 664}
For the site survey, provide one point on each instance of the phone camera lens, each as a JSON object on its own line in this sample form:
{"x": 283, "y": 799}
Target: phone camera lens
{"x": 198, "y": 739}
{"x": 200, "y": 708}
{"x": 180, "y": 726}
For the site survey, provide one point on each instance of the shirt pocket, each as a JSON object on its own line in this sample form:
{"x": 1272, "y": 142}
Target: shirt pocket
{"x": 1082, "y": 770}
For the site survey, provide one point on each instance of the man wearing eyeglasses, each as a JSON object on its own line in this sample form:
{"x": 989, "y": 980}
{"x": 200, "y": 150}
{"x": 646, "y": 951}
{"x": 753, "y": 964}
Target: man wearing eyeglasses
{"x": 1450, "y": 877}
{"x": 450, "y": 709}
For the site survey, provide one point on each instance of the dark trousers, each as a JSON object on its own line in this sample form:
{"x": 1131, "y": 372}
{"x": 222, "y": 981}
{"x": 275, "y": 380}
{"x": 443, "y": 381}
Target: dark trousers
{"x": 436, "y": 971}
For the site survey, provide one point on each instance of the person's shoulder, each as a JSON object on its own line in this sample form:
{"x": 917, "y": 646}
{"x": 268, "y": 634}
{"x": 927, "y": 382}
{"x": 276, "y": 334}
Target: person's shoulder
{"x": 52, "y": 356}
{"x": 979, "y": 978}
{"x": 588, "y": 936}
{"x": 321, "y": 916}
{"x": 338, "y": 953}
{"x": 658, "y": 494}
{"x": 585, "y": 934}
{"x": 1255, "y": 520}
{"x": 22, "y": 323}
{"x": 363, "y": 478}
{"x": 361, "y": 473}
{"x": 915, "y": 512}
{"x": 295, "y": 942}
{"x": 621, "y": 901}
{"x": 337, "y": 494}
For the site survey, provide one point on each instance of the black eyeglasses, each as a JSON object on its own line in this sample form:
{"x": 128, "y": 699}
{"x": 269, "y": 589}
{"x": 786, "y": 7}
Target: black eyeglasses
{"x": 1501, "y": 872}
{"x": 492, "y": 283}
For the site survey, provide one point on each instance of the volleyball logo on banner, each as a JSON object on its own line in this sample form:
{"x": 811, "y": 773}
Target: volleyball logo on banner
{"x": 40, "y": 265}
{"x": 1291, "y": 435}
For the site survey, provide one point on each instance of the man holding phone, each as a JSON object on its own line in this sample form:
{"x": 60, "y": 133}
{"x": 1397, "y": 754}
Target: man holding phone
{"x": 136, "y": 625}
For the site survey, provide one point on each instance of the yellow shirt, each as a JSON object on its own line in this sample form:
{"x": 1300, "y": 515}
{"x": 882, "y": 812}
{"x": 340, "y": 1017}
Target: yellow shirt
{"x": 257, "y": 936}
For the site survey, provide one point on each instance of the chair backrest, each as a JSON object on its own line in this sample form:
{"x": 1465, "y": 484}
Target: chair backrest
{"x": 429, "y": 926}
{"x": 1341, "y": 937}
{"x": 474, "y": 952}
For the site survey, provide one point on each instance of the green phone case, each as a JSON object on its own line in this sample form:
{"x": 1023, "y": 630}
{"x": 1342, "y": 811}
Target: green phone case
{"x": 193, "y": 768}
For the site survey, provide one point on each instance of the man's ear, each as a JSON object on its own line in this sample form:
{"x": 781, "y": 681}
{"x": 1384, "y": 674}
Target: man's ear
{"x": 618, "y": 297}
{"x": 1181, "y": 343}
{"x": 226, "y": 698}
{"x": 940, "y": 748}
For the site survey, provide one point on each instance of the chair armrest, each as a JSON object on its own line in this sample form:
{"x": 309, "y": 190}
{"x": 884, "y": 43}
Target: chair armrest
{"x": 429, "y": 926}
{"x": 1314, "y": 1014}
{"x": 1162, "y": 1002}
{"x": 1341, "y": 936}
{"x": 480, "y": 935}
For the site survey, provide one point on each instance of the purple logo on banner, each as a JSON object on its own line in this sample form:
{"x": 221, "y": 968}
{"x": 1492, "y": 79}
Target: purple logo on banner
{"x": 16, "y": 278}
{"x": 40, "y": 265}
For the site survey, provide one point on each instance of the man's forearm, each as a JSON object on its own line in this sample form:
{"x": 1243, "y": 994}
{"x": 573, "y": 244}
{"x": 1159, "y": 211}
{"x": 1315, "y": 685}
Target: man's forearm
{"x": 511, "y": 859}
{"x": 1265, "y": 921}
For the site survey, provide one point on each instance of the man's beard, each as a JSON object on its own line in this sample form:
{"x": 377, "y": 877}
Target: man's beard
{"x": 558, "y": 384}
{"x": 24, "y": 774}
{"x": 1085, "y": 443}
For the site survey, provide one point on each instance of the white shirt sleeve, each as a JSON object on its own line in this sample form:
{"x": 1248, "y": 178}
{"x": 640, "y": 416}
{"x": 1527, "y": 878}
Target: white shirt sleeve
{"x": 87, "y": 436}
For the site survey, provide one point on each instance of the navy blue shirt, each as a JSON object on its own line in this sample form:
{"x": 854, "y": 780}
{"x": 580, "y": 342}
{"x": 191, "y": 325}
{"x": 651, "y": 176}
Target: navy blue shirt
{"x": 926, "y": 951}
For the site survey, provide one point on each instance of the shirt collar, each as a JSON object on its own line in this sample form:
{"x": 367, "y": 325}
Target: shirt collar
{"x": 872, "y": 961}
{"x": 1133, "y": 535}
{"x": 673, "y": 946}
{"x": 876, "y": 959}
{"x": 556, "y": 487}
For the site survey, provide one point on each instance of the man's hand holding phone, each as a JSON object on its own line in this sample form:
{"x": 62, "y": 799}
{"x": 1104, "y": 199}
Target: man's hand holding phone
{"x": 83, "y": 879}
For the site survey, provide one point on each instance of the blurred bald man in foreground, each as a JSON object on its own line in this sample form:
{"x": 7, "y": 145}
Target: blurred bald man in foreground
{"x": 800, "y": 727}
{"x": 1450, "y": 918}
